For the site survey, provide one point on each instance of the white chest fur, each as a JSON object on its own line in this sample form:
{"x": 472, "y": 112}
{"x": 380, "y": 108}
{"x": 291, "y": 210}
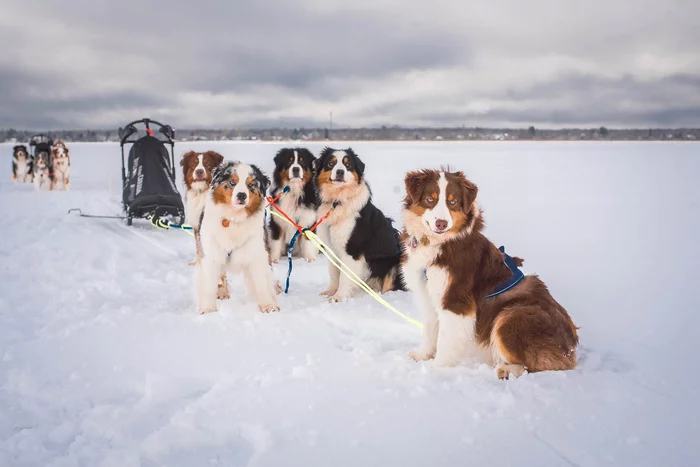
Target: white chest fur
{"x": 236, "y": 235}
{"x": 289, "y": 203}
{"x": 338, "y": 226}
{"x": 418, "y": 261}
{"x": 194, "y": 205}
{"x": 22, "y": 166}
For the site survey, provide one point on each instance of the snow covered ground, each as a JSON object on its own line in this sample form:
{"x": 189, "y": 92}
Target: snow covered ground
{"x": 105, "y": 362}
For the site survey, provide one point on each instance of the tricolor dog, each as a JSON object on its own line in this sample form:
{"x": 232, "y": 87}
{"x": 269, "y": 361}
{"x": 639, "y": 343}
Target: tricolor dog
{"x": 356, "y": 230}
{"x": 232, "y": 236}
{"x": 60, "y": 162}
{"x": 43, "y": 171}
{"x": 472, "y": 305}
{"x": 293, "y": 169}
{"x": 22, "y": 165}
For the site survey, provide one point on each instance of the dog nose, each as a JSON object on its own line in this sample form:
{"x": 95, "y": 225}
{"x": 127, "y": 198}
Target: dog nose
{"x": 295, "y": 171}
{"x": 199, "y": 173}
{"x": 340, "y": 173}
{"x": 241, "y": 197}
{"x": 440, "y": 224}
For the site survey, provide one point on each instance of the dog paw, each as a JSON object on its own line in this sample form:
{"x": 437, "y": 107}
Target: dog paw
{"x": 337, "y": 298}
{"x": 421, "y": 354}
{"x": 222, "y": 295}
{"x": 268, "y": 308}
{"x": 505, "y": 371}
{"x": 210, "y": 310}
{"x": 310, "y": 260}
{"x": 327, "y": 293}
{"x": 193, "y": 262}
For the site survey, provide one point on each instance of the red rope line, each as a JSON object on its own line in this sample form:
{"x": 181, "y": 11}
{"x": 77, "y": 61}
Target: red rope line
{"x": 321, "y": 220}
{"x": 271, "y": 202}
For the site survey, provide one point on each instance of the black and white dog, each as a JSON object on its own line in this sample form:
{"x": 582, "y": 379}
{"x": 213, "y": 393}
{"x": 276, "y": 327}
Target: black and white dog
{"x": 293, "y": 169}
{"x": 357, "y": 231}
{"x": 22, "y": 165}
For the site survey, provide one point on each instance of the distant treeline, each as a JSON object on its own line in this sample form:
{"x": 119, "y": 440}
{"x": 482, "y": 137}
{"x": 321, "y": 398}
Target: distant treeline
{"x": 383, "y": 133}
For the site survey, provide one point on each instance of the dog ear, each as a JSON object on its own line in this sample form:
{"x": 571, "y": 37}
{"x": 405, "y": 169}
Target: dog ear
{"x": 279, "y": 156}
{"x": 469, "y": 192}
{"x": 185, "y": 156}
{"x": 415, "y": 184}
{"x": 309, "y": 155}
{"x": 359, "y": 165}
{"x": 264, "y": 179}
{"x": 469, "y": 205}
{"x": 218, "y": 158}
{"x": 318, "y": 163}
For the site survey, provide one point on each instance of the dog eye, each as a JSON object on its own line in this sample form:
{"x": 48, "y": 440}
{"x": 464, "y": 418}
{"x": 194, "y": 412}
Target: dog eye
{"x": 453, "y": 202}
{"x": 430, "y": 200}
{"x": 232, "y": 183}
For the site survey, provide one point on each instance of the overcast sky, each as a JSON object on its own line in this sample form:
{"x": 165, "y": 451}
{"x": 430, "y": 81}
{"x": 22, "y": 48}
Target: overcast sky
{"x": 221, "y": 63}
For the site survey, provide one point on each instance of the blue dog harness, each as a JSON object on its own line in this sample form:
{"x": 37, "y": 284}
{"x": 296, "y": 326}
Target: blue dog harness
{"x": 516, "y": 275}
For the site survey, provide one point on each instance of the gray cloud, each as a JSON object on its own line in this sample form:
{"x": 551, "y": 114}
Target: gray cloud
{"x": 210, "y": 63}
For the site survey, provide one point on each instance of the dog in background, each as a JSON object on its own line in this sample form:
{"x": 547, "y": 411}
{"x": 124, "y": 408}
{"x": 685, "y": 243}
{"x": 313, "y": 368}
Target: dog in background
{"x": 471, "y": 303}
{"x": 197, "y": 168}
{"x": 293, "y": 169}
{"x": 43, "y": 172}
{"x": 60, "y": 162}
{"x": 22, "y": 165}
{"x": 359, "y": 233}
{"x": 232, "y": 236}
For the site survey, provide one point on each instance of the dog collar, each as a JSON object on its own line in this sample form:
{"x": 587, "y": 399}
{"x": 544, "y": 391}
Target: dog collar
{"x": 413, "y": 243}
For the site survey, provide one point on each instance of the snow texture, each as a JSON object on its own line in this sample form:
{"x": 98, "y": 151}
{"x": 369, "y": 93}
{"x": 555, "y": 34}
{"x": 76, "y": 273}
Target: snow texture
{"x": 105, "y": 362}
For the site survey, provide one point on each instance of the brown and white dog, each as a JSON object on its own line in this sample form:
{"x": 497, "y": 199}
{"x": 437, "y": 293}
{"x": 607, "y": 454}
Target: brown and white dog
{"x": 232, "y": 236}
{"x": 452, "y": 268}
{"x": 22, "y": 165}
{"x": 197, "y": 168}
{"x": 60, "y": 162}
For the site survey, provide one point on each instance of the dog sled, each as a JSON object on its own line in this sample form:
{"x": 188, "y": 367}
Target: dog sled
{"x": 40, "y": 143}
{"x": 148, "y": 174}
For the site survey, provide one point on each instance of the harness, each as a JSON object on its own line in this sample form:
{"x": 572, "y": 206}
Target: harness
{"x": 299, "y": 231}
{"x": 516, "y": 275}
